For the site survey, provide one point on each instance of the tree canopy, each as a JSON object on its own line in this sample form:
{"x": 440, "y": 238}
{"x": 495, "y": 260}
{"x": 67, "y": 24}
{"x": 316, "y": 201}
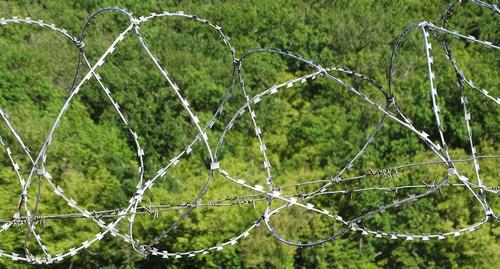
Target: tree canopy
{"x": 311, "y": 130}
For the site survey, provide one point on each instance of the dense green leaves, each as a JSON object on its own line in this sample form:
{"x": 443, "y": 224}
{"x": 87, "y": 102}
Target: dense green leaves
{"x": 311, "y": 131}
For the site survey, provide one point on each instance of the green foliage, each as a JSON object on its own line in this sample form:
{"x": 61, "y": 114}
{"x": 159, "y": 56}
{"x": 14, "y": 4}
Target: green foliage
{"x": 311, "y": 131}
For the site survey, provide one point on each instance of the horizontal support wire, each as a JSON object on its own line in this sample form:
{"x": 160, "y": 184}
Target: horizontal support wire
{"x": 270, "y": 197}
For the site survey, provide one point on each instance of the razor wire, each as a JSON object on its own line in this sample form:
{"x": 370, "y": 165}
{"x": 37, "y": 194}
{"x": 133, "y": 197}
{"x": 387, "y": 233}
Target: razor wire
{"x": 108, "y": 219}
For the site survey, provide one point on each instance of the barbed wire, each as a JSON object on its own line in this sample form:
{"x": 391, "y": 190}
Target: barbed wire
{"x": 244, "y": 199}
{"x": 108, "y": 219}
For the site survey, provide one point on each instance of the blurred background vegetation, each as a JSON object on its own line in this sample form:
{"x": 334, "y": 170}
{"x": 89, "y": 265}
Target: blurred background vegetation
{"x": 311, "y": 131}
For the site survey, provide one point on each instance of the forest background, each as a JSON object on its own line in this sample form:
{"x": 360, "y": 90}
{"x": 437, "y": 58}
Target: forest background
{"x": 310, "y": 130}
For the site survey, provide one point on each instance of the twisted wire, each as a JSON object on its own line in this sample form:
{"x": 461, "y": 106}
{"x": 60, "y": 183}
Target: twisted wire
{"x": 108, "y": 219}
